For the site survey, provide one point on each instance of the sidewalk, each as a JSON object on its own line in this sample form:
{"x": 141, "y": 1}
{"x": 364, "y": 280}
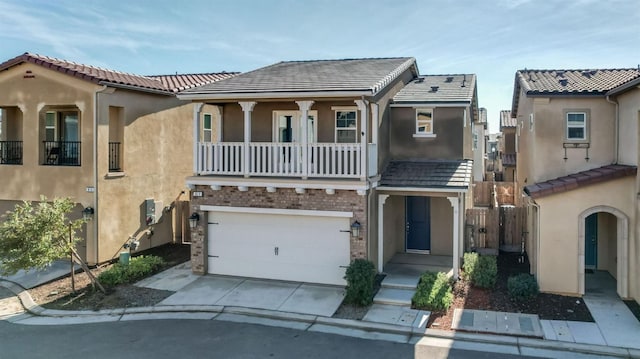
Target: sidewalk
{"x": 399, "y": 327}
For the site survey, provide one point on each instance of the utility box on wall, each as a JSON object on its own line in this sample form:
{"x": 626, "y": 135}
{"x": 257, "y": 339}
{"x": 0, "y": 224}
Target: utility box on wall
{"x": 150, "y": 211}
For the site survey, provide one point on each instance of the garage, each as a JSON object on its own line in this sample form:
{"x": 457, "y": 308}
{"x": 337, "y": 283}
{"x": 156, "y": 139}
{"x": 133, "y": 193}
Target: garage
{"x": 293, "y": 245}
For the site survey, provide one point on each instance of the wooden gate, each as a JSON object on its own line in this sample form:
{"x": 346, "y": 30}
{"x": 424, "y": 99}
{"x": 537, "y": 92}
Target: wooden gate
{"x": 489, "y": 230}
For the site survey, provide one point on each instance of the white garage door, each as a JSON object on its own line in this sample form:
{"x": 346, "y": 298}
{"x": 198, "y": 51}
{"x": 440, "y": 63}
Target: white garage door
{"x": 304, "y": 248}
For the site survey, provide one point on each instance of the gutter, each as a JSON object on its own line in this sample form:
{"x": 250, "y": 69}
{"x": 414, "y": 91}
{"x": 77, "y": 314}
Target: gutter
{"x": 616, "y": 149}
{"x": 231, "y": 96}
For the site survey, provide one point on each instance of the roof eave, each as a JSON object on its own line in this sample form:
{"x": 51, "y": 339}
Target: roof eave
{"x": 137, "y": 88}
{"x": 272, "y": 95}
{"x": 624, "y": 87}
{"x": 431, "y": 103}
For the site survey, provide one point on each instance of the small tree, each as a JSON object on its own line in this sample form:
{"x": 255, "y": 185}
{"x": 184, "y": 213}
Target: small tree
{"x": 34, "y": 235}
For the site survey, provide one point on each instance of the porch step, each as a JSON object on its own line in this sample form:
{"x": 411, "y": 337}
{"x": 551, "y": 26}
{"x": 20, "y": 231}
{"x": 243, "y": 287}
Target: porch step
{"x": 394, "y": 296}
{"x": 400, "y": 281}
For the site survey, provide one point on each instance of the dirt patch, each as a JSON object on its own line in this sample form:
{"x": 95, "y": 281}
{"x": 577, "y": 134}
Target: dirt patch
{"x": 634, "y": 307}
{"x": 58, "y": 295}
{"x": 547, "y": 306}
{"x": 350, "y": 311}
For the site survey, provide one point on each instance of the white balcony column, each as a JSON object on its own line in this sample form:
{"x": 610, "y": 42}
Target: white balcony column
{"x": 218, "y": 110}
{"x": 197, "y": 110}
{"x": 304, "y": 107}
{"x": 364, "y": 138}
{"x": 382, "y": 198}
{"x": 375, "y": 122}
{"x": 247, "y": 107}
{"x": 455, "y": 204}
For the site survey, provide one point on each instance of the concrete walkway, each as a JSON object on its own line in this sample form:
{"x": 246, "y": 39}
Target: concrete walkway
{"x": 33, "y": 278}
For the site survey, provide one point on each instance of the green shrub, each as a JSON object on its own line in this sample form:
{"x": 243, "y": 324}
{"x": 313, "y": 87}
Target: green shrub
{"x": 522, "y": 287}
{"x": 482, "y": 271}
{"x": 360, "y": 276}
{"x": 434, "y": 292}
{"x": 138, "y": 268}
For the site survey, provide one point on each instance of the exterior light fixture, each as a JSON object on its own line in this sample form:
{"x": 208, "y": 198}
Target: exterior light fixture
{"x": 355, "y": 229}
{"x": 87, "y": 213}
{"x": 193, "y": 220}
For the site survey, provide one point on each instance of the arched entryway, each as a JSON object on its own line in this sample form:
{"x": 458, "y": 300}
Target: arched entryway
{"x": 602, "y": 248}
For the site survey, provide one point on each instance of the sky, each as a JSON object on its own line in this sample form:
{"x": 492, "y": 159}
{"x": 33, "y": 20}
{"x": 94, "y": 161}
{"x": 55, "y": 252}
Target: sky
{"x": 491, "y": 38}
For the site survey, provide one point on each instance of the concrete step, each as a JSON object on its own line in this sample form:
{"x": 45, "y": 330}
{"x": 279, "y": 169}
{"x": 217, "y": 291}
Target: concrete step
{"x": 394, "y": 296}
{"x": 400, "y": 281}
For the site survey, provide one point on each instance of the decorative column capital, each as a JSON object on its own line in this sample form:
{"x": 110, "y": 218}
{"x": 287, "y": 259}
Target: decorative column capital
{"x": 382, "y": 198}
{"x": 247, "y": 106}
{"x": 304, "y": 105}
{"x": 454, "y": 202}
{"x": 362, "y": 105}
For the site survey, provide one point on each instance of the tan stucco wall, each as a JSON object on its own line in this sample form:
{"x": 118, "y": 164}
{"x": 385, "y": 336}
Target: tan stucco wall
{"x": 157, "y": 153}
{"x": 629, "y": 112}
{"x": 607, "y": 243}
{"x": 559, "y": 226}
{"x": 441, "y": 226}
{"x": 394, "y": 223}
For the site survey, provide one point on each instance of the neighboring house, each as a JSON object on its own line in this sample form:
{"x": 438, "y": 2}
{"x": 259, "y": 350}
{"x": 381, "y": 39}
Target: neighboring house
{"x": 116, "y": 143}
{"x": 479, "y": 143}
{"x": 313, "y": 167}
{"x": 494, "y": 162}
{"x": 508, "y": 146}
{"x": 577, "y": 162}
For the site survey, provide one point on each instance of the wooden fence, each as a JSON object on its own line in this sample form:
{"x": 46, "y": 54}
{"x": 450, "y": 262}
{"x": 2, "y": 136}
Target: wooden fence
{"x": 488, "y": 230}
{"x": 486, "y": 194}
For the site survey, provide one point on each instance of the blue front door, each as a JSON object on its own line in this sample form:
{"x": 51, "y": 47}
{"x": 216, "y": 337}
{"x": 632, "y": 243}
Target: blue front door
{"x": 418, "y": 224}
{"x": 591, "y": 241}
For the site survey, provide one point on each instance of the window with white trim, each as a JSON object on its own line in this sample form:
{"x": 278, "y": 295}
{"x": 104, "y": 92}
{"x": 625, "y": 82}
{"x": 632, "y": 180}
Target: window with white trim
{"x": 50, "y": 128}
{"x": 346, "y": 126}
{"x": 424, "y": 121}
{"x": 576, "y": 126}
{"x": 207, "y": 128}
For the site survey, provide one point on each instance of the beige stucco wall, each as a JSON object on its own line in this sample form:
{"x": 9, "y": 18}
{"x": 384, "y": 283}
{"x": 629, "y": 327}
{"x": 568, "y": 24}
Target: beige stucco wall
{"x": 441, "y": 226}
{"x": 157, "y": 152}
{"x": 607, "y": 243}
{"x": 557, "y": 268}
{"x": 629, "y": 112}
{"x": 394, "y": 224}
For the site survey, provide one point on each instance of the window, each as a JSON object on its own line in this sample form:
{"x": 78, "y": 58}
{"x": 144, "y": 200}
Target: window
{"x": 207, "y": 132}
{"x": 346, "y": 127}
{"x": 576, "y": 126}
{"x": 424, "y": 121}
{"x": 50, "y": 126}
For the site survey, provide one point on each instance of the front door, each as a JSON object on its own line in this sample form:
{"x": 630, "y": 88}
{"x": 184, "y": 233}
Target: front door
{"x": 591, "y": 242}
{"x": 418, "y": 224}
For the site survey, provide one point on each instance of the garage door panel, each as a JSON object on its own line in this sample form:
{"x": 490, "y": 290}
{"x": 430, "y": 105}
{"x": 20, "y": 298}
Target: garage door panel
{"x": 309, "y": 248}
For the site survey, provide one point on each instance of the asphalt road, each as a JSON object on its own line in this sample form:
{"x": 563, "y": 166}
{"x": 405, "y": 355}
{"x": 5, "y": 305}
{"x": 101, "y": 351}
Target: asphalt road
{"x": 200, "y": 339}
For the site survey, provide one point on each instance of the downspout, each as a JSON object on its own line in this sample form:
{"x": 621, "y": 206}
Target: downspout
{"x": 95, "y": 170}
{"x": 616, "y": 150}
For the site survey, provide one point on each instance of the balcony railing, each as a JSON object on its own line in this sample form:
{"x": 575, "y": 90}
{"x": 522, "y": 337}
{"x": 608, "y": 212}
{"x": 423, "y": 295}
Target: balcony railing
{"x": 62, "y": 153}
{"x": 114, "y": 157}
{"x": 339, "y": 160}
{"x": 11, "y": 152}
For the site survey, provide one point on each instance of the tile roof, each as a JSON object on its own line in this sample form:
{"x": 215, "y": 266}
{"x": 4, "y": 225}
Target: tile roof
{"x": 360, "y": 76}
{"x": 596, "y": 82}
{"x": 508, "y": 159}
{"x": 164, "y": 84}
{"x": 507, "y": 121}
{"x": 438, "y": 88}
{"x": 426, "y": 174}
{"x": 580, "y": 179}
{"x": 181, "y": 82}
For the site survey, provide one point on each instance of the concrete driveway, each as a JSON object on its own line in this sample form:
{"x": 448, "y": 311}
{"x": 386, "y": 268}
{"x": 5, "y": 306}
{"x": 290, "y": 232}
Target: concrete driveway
{"x": 291, "y": 297}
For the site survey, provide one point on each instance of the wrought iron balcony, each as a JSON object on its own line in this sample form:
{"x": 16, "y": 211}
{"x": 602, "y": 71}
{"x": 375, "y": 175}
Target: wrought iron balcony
{"x": 62, "y": 153}
{"x": 11, "y": 152}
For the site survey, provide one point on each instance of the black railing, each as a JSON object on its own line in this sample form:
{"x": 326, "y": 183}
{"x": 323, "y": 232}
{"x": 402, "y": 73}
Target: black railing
{"x": 114, "y": 157}
{"x": 62, "y": 153}
{"x": 11, "y": 152}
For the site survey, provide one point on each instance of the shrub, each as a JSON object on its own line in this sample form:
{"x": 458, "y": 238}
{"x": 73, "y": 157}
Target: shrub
{"x": 138, "y": 268}
{"x": 482, "y": 271}
{"x": 522, "y": 287}
{"x": 360, "y": 276}
{"x": 434, "y": 292}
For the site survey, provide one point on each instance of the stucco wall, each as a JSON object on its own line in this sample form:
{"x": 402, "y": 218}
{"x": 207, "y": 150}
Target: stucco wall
{"x": 629, "y": 107}
{"x": 447, "y": 126}
{"x": 607, "y": 238}
{"x": 394, "y": 224}
{"x": 559, "y": 226}
{"x": 441, "y": 226}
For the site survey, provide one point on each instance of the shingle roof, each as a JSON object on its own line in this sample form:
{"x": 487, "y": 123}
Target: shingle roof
{"x": 163, "y": 84}
{"x": 438, "y": 88}
{"x": 506, "y": 121}
{"x": 580, "y": 179}
{"x": 596, "y": 82}
{"x": 360, "y": 76}
{"x": 453, "y": 175}
{"x": 508, "y": 159}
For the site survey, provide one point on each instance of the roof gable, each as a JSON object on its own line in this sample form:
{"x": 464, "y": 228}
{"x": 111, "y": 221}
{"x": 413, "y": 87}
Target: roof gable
{"x": 357, "y": 76}
{"x": 162, "y": 83}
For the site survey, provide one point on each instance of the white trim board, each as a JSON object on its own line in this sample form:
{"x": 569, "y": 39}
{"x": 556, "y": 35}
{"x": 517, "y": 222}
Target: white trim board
{"x": 422, "y": 189}
{"x": 292, "y": 212}
{"x": 278, "y": 183}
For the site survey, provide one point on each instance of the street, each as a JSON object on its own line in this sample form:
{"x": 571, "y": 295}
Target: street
{"x": 200, "y": 339}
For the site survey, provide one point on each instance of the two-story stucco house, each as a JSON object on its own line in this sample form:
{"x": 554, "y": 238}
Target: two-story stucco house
{"x": 316, "y": 163}
{"x": 577, "y": 134}
{"x": 116, "y": 143}
{"x": 507, "y": 146}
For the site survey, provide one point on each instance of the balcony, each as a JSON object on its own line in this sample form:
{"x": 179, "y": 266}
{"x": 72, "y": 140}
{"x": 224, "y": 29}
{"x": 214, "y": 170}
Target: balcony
{"x": 62, "y": 153}
{"x": 11, "y": 152}
{"x": 327, "y": 160}
{"x": 114, "y": 157}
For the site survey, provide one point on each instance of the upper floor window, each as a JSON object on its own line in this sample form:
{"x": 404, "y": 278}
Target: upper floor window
{"x": 207, "y": 129}
{"x": 424, "y": 123}
{"x": 61, "y": 134}
{"x": 346, "y": 126}
{"x": 576, "y": 126}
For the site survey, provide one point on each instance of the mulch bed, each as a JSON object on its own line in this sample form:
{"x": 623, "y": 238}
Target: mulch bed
{"x": 547, "y": 306}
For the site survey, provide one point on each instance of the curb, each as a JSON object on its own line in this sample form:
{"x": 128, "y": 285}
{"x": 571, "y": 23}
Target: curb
{"x": 520, "y": 342}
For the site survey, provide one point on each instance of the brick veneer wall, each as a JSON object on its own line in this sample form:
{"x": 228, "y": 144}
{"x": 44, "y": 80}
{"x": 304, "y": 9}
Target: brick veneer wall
{"x": 283, "y": 198}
